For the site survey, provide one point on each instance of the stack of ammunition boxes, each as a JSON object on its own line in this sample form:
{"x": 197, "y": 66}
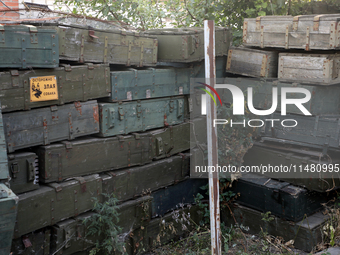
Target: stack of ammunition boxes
{"x": 299, "y": 55}
{"x": 79, "y": 122}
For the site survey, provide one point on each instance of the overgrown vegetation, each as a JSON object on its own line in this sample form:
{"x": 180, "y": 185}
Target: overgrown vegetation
{"x": 102, "y": 225}
{"x": 148, "y": 14}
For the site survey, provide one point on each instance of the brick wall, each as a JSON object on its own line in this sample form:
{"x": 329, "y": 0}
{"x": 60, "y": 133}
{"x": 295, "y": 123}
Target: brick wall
{"x": 13, "y": 4}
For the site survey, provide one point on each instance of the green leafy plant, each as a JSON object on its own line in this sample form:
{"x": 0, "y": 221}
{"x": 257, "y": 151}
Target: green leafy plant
{"x": 102, "y": 224}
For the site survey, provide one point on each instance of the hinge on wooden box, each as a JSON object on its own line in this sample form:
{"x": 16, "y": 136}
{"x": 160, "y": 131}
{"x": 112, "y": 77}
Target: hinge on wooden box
{"x": 333, "y": 37}
{"x": 82, "y": 183}
{"x": 307, "y": 39}
{"x": 191, "y": 107}
{"x": 129, "y": 54}
{"x": 141, "y": 54}
{"x": 245, "y": 31}
{"x": 15, "y": 78}
{"x": 68, "y": 68}
{"x": 148, "y": 93}
{"x": 264, "y": 65}
{"x": 68, "y": 145}
{"x": 316, "y": 22}
{"x": 180, "y": 91}
{"x": 70, "y": 125}
{"x": 159, "y": 146}
{"x": 105, "y": 49}
{"x": 121, "y": 113}
{"x": 139, "y": 110}
{"x": 296, "y": 22}
{"x": 262, "y": 38}
{"x": 171, "y": 106}
{"x": 30, "y": 169}
{"x": 2, "y": 34}
{"x": 287, "y": 37}
{"x": 179, "y": 108}
{"x": 82, "y": 45}
{"x": 45, "y": 131}
{"x": 90, "y": 66}
{"x": 258, "y": 23}
{"x": 111, "y": 117}
{"x": 136, "y": 135}
{"x": 14, "y": 169}
{"x": 154, "y": 52}
{"x": 230, "y": 52}
{"x": 53, "y": 108}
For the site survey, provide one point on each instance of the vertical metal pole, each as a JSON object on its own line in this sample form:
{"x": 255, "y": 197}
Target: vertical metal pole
{"x": 214, "y": 202}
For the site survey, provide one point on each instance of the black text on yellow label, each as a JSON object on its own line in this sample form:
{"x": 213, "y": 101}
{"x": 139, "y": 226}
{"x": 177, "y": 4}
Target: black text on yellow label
{"x": 43, "y": 88}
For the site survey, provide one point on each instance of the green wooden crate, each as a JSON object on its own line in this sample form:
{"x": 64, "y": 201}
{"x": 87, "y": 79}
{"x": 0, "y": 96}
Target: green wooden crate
{"x": 94, "y": 155}
{"x": 85, "y": 40}
{"x": 187, "y": 44}
{"x": 134, "y": 84}
{"x": 317, "y": 131}
{"x": 306, "y": 233}
{"x": 50, "y": 124}
{"x": 28, "y": 46}
{"x": 71, "y": 235}
{"x": 264, "y": 154}
{"x": 19, "y": 89}
{"x": 36, "y": 243}
{"x": 127, "y": 117}
{"x": 176, "y": 196}
{"x": 55, "y": 202}
{"x": 131, "y": 182}
{"x": 280, "y": 198}
{"x": 324, "y": 99}
{"x": 8, "y": 213}
{"x": 24, "y": 172}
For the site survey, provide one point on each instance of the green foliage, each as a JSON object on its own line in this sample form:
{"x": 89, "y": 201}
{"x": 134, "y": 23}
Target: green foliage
{"x": 147, "y": 14}
{"x": 103, "y": 224}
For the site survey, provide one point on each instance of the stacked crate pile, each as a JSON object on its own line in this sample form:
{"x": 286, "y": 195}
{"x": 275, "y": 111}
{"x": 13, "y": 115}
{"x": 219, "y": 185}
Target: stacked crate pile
{"x": 79, "y": 122}
{"x": 294, "y": 52}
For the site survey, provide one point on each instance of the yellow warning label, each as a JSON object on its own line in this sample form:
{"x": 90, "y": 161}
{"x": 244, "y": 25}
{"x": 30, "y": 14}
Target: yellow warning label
{"x": 43, "y": 88}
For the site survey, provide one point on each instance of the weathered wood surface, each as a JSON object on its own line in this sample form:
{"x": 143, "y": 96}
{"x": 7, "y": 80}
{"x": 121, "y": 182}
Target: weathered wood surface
{"x": 186, "y": 44}
{"x": 276, "y": 155}
{"x": 314, "y": 130}
{"x": 127, "y": 117}
{"x": 8, "y": 213}
{"x": 50, "y": 124}
{"x": 134, "y": 84}
{"x": 85, "y": 40}
{"x": 71, "y": 83}
{"x": 90, "y": 155}
{"x": 28, "y": 46}
{"x": 132, "y": 182}
{"x": 176, "y": 196}
{"x": 309, "y": 32}
{"x": 280, "y": 198}
{"x": 321, "y": 69}
{"x": 24, "y": 172}
{"x": 252, "y": 62}
{"x": 306, "y": 233}
{"x": 36, "y": 243}
{"x": 324, "y": 99}
{"x": 55, "y": 202}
